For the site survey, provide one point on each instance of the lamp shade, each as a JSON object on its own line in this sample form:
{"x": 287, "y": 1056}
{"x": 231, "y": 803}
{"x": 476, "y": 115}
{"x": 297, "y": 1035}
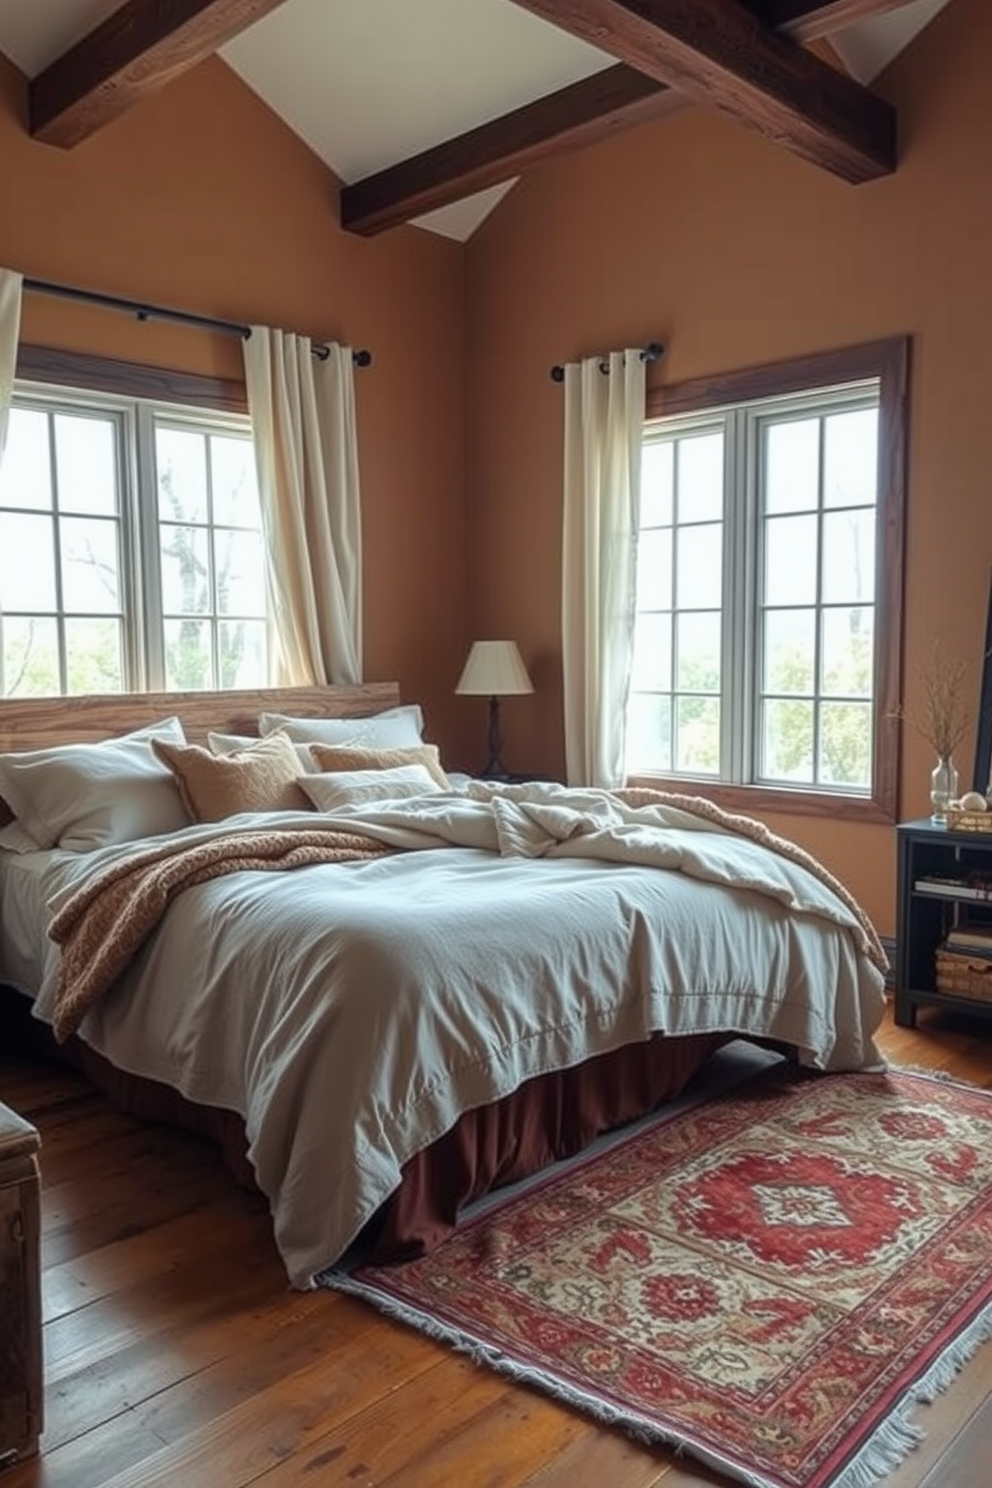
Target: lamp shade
{"x": 494, "y": 669}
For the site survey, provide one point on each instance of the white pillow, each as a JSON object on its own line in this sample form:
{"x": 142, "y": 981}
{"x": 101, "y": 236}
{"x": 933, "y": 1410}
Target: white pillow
{"x": 396, "y": 728}
{"x": 15, "y": 837}
{"x": 344, "y": 788}
{"x": 83, "y": 796}
{"x": 234, "y": 743}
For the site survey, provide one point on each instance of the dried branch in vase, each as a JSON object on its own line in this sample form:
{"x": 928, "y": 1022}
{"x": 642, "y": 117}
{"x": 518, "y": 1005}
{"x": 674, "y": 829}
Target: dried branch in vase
{"x": 941, "y": 717}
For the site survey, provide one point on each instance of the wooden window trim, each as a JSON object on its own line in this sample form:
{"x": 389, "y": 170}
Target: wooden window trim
{"x": 75, "y": 369}
{"x": 889, "y": 361}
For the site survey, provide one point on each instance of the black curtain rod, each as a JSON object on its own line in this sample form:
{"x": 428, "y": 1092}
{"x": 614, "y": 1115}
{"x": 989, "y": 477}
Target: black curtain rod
{"x": 649, "y": 353}
{"x": 161, "y": 312}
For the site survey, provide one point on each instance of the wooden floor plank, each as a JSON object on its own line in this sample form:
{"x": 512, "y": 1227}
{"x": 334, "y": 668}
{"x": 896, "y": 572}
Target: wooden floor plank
{"x": 136, "y": 1259}
{"x": 289, "y": 1415}
{"x": 441, "y": 1429}
{"x": 596, "y": 1458}
{"x": 946, "y": 1421}
{"x": 966, "y": 1463}
{"x": 163, "y": 1351}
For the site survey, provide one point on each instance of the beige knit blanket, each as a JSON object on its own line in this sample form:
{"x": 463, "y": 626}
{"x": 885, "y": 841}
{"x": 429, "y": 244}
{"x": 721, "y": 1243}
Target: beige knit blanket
{"x": 104, "y": 923}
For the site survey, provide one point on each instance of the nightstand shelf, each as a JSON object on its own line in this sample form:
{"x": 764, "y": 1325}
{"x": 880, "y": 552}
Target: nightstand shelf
{"x": 940, "y": 880}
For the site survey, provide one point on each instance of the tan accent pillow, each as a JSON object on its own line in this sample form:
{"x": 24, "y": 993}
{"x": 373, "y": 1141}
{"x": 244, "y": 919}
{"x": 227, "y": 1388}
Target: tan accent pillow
{"x": 261, "y": 777}
{"x": 342, "y": 757}
{"x": 231, "y": 743}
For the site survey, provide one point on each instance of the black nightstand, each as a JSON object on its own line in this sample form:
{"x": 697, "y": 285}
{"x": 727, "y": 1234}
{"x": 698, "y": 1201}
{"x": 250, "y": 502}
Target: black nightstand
{"x": 941, "y": 873}
{"x": 513, "y": 777}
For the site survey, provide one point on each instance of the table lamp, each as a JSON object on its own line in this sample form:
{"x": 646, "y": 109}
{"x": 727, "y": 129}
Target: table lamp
{"x": 494, "y": 669}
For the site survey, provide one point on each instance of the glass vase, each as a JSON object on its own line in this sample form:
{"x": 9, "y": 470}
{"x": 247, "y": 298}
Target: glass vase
{"x": 943, "y": 787}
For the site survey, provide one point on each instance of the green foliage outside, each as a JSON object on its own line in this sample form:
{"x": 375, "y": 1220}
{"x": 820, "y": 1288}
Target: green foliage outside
{"x": 845, "y": 724}
{"x": 845, "y": 717}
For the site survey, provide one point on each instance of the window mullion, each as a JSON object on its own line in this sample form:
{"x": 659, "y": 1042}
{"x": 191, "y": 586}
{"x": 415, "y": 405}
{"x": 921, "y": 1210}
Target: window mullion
{"x": 737, "y": 647}
{"x": 729, "y": 648}
{"x": 148, "y": 608}
{"x": 213, "y": 588}
{"x": 818, "y": 620}
{"x": 750, "y": 618}
{"x": 53, "y": 466}
{"x": 129, "y": 555}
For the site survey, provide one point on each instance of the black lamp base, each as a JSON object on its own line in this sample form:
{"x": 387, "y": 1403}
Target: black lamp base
{"x": 494, "y": 767}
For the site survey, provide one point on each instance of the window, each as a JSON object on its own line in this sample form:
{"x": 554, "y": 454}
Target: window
{"x": 131, "y": 551}
{"x": 769, "y": 584}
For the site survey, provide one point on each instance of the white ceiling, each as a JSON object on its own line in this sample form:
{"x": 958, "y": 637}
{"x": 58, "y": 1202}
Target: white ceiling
{"x": 368, "y": 83}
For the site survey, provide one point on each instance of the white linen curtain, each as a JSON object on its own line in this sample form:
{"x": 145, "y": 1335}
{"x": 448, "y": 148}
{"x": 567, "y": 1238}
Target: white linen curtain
{"x": 303, "y": 424}
{"x": 10, "y": 323}
{"x": 604, "y": 426}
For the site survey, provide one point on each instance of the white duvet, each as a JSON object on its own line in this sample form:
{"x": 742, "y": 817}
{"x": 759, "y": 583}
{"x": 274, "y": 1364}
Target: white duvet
{"x": 351, "y": 1012}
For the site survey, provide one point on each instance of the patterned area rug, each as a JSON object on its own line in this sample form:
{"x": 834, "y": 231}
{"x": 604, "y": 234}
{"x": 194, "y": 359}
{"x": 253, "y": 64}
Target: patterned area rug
{"x": 770, "y": 1281}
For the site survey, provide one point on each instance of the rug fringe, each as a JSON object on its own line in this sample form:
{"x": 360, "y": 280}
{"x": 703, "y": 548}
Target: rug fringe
{"x": 882, "y": 1453}
{"x": 898, "y": 1435}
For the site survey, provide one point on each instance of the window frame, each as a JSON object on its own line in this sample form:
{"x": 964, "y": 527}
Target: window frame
{"x": 887, "y": 361}
{"x": 133, "y": 396}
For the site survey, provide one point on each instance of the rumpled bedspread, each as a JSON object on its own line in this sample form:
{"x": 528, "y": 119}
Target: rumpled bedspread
{"x": 107, "y": 918}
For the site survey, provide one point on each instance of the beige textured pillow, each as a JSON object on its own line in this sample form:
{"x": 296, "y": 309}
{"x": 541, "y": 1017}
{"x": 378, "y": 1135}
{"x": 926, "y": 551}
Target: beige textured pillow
{"x": 342, "y": 757}
{"x": 232, "y": 743}
{"x": 261, "y": 777}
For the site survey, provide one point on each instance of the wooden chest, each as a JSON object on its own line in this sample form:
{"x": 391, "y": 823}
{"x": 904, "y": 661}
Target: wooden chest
{"x": 20, "y": 1289}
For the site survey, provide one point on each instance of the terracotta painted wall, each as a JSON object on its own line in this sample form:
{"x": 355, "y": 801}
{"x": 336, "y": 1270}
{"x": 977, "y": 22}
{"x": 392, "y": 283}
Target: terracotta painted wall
{"x": 201, "y": 198}
{"x": 732, "y": 252}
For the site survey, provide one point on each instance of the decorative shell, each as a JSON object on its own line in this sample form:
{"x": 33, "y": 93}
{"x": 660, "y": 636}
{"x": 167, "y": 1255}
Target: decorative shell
{"x": 972, "y": 801}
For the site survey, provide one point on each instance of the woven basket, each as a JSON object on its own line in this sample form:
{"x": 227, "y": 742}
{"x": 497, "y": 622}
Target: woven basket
{"x": 968, "y": 821}
{"x": 964, "y": 976}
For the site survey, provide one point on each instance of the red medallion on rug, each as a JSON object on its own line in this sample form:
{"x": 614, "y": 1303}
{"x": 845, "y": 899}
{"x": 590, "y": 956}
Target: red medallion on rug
{"x": 771, "y": 1280}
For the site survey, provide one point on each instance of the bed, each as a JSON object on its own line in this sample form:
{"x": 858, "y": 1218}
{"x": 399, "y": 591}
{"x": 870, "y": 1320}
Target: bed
{"x": 427, "y": 992}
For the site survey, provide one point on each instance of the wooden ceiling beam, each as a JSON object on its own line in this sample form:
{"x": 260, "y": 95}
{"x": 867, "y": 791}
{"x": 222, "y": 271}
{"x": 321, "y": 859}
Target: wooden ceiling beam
{"x": 570, "y": 118}
{"x": 717, "y": 52}
{"x": 624, "y": 95}
{"x": 135, "y": 51}
{"x": 809, "y": 20}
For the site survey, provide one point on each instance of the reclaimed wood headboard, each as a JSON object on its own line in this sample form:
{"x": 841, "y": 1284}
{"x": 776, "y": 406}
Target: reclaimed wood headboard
{"x": 38, "y": 723}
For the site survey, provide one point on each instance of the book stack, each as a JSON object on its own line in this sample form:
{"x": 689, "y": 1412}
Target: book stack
{"x": 975, "y": 886}
{"x": 970, "y": 940}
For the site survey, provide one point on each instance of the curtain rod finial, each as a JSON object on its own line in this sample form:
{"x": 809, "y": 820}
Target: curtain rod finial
{"x": 649, "y": 353}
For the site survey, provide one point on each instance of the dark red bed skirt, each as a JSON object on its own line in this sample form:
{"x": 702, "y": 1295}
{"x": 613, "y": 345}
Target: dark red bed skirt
{"x": 549, "y": 1117}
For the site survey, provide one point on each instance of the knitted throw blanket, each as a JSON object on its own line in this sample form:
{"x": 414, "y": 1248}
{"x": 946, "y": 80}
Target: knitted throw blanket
{"x": 104, "y": 923}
